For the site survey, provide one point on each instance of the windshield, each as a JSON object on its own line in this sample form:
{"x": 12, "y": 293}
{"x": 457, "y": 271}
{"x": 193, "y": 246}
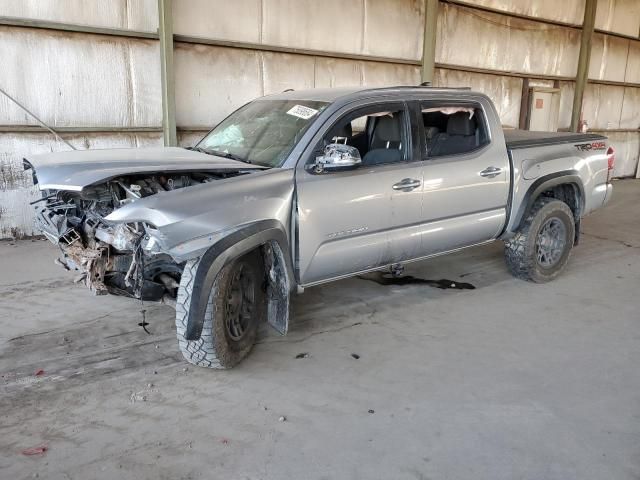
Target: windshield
{"x": 262, "y": 132}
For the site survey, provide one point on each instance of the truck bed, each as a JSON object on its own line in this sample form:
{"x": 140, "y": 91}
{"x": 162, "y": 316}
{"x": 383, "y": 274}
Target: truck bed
{"x": 525, "y": 139}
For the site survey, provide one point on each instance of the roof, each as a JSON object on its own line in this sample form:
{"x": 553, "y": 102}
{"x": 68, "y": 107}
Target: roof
{"x": 333, "y": 94}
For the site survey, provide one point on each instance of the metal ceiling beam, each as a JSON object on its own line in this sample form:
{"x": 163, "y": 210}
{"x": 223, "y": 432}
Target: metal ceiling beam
{"x": 532, "y": 76}
{"x": 77, "y": 130}
{"x": 72, "y": 27}
{"x": 429, "y": 45}
{"x": 507, "y": 13}
{"x": 118, "y": 32}
{"x": 179, "y": 38}
{"x": 582, "y": 76}
{"x": 502, "y": 73}
{"x": 544, "y": 21}
{"x": 68, "y": 27}
{"x": 167, "y": 73}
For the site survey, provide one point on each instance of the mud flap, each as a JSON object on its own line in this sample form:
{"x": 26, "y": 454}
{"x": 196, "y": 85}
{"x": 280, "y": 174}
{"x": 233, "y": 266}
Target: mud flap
{"x": 278, "y": 288}
{"x": 265, "y": 233}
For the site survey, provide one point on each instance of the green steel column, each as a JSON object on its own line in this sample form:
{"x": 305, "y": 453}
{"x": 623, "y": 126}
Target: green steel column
{"x": 167, "y": 73}
{"x": 583, "y": 62}
{"x": 429, "y": 46}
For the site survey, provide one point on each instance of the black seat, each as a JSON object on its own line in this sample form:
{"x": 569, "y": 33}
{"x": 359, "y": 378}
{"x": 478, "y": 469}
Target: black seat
{"x": 386, "y": 142}
{"x": 460, "y": 137}
{"x": 430, "y": 135}
{"x": 345, "y": 131}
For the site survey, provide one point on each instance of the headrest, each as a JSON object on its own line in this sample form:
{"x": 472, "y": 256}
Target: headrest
{"x": 460, "y": 124}
{"x": 388, "y": 129}
{"x": 345, "y": 131}
{"x": 431, "y": 132}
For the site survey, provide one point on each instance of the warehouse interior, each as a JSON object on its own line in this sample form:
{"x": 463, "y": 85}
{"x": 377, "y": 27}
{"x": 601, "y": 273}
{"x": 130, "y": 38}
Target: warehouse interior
{"x": 104, "y": 88}
{"x": 505, "y": 380}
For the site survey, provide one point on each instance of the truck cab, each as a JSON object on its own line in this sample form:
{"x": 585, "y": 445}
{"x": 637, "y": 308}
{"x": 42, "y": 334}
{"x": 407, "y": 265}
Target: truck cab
{"x": 434, "y": 168}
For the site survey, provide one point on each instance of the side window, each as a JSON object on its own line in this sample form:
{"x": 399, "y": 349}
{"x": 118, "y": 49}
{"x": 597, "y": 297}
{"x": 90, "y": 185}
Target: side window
{"x": 453, "y": 129}
{"x": 379, "y": 133}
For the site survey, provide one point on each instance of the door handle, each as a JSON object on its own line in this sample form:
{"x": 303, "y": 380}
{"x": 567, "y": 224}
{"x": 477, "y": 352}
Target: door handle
{"x": 407, "y": 184}
{"x": 491, "y": 172}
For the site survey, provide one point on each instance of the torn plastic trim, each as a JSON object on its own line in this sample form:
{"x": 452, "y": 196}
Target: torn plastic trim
{"x": 156, "y": 241}
{"x": 231, "y": 247}
{"x": 26, "y": 164}
{"x": 196, "y": 247}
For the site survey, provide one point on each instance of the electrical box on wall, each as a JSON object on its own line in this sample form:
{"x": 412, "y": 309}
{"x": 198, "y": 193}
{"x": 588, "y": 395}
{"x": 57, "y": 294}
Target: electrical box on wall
{"x": 544, "y": 109}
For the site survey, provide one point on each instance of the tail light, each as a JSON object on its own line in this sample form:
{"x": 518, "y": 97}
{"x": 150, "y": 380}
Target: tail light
{"x": 611, "y": 161}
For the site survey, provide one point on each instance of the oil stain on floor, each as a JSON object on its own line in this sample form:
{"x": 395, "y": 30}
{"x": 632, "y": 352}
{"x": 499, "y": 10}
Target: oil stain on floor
{"x": 386, "y": 279}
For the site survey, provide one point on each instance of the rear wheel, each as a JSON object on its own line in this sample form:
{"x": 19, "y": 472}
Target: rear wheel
{"x": 541, "y": 248}
{"x": 235, "y": 307}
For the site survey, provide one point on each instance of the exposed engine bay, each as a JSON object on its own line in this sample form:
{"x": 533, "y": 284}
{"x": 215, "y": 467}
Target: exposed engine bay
{"x": 110, "y": 256}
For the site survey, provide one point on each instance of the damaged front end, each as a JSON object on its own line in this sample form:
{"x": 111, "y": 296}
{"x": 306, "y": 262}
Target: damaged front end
{"x": 111, "y": 257}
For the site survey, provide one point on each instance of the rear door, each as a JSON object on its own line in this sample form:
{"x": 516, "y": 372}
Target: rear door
{"x": 466, "y": 174}
{"x": 352, "y": 221}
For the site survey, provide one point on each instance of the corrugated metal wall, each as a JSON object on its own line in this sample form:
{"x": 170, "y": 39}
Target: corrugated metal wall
{"x": 502, "y": 51}
{"x": 139, "y": 15}
{"x": 102, "y": 89}
{"x": 211, "y": 81}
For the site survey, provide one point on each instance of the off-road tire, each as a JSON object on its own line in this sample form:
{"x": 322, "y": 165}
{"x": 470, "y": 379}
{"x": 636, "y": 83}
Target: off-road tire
{"x": 214, "y": 348}
{"x": 520, "y": 251}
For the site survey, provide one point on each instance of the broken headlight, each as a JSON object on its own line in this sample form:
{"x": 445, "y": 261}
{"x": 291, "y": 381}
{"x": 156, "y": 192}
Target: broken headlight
{"x": 122, "y": 237}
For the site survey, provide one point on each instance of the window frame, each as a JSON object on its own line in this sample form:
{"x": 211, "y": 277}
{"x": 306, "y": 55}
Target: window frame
{"x": 418, "y": 105}
{"x": 393, "y": 105}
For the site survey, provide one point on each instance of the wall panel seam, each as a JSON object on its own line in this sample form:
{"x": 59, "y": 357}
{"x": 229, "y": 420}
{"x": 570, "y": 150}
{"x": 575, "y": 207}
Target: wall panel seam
{"x": 179, "y": 38}
{"x": 67, "y": 27}
{"x": 538, "y": 76}
{"x": 546, "y": 21}
{"x": 72, "y": 27}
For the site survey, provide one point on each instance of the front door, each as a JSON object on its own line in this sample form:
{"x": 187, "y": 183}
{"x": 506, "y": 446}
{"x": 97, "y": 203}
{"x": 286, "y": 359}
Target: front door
{"x": 349, "y": 221}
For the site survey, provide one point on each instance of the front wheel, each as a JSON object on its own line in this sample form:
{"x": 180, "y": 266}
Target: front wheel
{"x": 235, "y": 307}
{"x": 540, "y": 249}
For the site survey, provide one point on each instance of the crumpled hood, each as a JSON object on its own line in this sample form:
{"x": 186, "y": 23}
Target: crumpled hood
{"x": 187, "y": 221}
{"x": 75, "y": 170}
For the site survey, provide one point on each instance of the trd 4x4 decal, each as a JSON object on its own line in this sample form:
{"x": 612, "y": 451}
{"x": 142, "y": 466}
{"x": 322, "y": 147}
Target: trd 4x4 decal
{"x": 591, "y": 146}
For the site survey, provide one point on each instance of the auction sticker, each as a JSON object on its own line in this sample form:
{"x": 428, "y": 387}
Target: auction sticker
{"x": 301, "y": 111}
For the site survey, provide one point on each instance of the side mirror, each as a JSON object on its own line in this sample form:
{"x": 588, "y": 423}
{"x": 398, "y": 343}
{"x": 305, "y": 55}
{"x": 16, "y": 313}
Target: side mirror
{"x": 337, "y": 156}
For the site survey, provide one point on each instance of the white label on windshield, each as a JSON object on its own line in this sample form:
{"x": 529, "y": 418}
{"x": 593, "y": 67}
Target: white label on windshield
{"x": 301, "y": 111}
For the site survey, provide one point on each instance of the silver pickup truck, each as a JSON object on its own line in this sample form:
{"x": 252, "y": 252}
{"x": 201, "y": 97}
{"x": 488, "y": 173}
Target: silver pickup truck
{"x": 305, "y": 187}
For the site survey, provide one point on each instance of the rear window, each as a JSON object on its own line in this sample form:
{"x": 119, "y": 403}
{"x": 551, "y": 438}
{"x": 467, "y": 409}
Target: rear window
{"x": 453, "y": 129}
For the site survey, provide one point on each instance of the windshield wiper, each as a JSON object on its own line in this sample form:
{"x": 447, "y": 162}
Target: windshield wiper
{"x": 218, "y": 153}
{"x": 197, "y": 149}
{"x": 232, "y": 156}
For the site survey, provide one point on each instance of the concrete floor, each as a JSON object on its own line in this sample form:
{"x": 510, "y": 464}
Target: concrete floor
{"x": 510, "y": 380}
